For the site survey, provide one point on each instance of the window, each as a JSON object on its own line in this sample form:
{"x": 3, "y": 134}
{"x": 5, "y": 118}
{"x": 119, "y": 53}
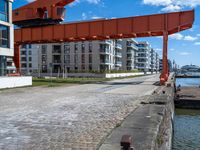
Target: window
{"x": 56, "y": 48}
{"x": 90, "y": 47}
{"x": 90, "y": 58}
{"x": 66, "y": 49}
{"x": 83, "y": 58}
{"x": 44, "y": 49}
{"x": 76, "y": 48}
{"x": 30, "y": 58}
{"x": 30, "y": 52}
{"x": 83, "y": 48}
{"x": 4, "y": 36}
{"x": 4, "y": 10}
{"x": 30, "y": 65}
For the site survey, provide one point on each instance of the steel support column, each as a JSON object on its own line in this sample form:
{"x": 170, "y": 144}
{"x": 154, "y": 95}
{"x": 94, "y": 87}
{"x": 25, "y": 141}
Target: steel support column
{"x": 17, "y": 57}
{"x": 165, "y": 72}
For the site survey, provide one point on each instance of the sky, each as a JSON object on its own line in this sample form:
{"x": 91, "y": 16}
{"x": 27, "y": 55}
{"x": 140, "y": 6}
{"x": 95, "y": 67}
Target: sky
{"x": 184, "y": 47}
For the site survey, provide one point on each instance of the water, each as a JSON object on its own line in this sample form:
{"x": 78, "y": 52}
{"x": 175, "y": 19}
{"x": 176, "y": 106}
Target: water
{"x": 187, "y": 130}
{"x": 187, "y": 123}
{"x": 189, "y": 81}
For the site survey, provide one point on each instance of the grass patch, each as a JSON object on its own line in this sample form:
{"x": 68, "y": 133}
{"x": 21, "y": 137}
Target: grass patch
{"x": 60, "y": 81}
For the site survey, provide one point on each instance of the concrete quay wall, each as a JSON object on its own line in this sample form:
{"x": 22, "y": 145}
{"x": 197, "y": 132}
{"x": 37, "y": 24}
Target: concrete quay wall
{"x": 150, "y": 125}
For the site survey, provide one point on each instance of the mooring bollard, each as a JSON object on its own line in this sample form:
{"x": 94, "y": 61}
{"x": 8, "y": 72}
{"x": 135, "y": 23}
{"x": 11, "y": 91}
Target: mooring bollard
{"x": 126, "y": 142}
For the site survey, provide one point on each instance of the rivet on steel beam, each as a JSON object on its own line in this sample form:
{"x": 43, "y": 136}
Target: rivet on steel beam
{"x": 126, "y": 142}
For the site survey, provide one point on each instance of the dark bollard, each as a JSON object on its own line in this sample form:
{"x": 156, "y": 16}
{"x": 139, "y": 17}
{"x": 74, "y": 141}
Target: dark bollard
{"x": 163, "y": 92}
{"x": 126, "y": 142}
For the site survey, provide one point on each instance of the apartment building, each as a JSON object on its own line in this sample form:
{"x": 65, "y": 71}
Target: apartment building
{"x": 87, "y": 56}
{"x": 144, "y": 56}
{"x": 6, "y": 36}
{"x": 157, "y": 62}
{"x": 153, "y": 60}
{"x": 29, "y": 59}
{"x": 72, "y": 57}
{"x": 129, "y": 54}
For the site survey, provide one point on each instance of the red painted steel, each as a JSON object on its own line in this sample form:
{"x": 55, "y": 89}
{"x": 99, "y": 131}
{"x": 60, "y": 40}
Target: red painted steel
{"x": 40, "y": 11}
{"x": 132, "y": 27}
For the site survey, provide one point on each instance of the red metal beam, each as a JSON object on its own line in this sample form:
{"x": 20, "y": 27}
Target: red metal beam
{"x": 132, "y": 27}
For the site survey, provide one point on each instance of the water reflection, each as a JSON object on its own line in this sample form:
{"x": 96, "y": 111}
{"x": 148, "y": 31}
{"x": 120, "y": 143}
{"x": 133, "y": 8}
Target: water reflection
{"x": 187, "y": 130}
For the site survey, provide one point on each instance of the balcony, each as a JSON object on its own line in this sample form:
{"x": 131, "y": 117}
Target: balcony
{"x": 56, "y": 52}
{"x": 130, "y": 65}
{"x": 118, "y": 46}
{"x": 132, "y": 46}
{"x": 130, "y": 58}
{"x": 105, "y": 51}
{"x": 118, "y": 63}
{"x": 57, "y": 61}
{"x": 130, "y": 51}
{"x": 117, "y": 54}
{"x": 104, "y": 61}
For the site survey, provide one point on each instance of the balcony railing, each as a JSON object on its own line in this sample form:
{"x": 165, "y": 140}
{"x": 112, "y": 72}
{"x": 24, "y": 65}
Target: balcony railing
{"x": 57, "y": 61}
{"x": 105, "y": 51}
{"x": 132, "y": 46}
{"x": 104, "y": 61}
{"x": 119, "y": 46}
{"x": 118, "y": 63}
{"x": 117, "y": 54}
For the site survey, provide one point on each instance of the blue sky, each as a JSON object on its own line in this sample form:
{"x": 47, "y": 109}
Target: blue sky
{"x": 184, "y": 47}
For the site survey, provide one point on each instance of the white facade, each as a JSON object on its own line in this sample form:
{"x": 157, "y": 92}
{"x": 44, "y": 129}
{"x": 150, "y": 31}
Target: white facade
{"x": 29, "y": 59}
{"x": 144, "y": 56}
{"x": 72, "y": 57}
{"x": 85, "y": 57}
{"x": 6, "y": 35}
{"x": 129, "y": 54}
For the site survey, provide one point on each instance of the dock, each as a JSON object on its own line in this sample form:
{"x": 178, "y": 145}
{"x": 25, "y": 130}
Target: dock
{"x": 188, "y": 97}
{"x": 187, "y": 76}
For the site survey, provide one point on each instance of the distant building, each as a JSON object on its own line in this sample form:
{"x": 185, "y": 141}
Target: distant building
{"x": 6, "y": 36}
{"x": 129, "y": 54}
{"x": 88, "y": 56}
{"x": 144, "y": 56}
{"x": 72, "y": 57}
{"x": 170, "y": 66}
{"x": 190, "y": 68}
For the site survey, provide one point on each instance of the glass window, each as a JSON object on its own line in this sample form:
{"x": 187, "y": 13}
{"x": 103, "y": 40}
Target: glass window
{"x": 4, "y": 36}
{"x": 4, "y": 10}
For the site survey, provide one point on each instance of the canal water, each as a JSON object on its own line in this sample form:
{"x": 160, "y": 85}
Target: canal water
{"x": 187, "y": 123}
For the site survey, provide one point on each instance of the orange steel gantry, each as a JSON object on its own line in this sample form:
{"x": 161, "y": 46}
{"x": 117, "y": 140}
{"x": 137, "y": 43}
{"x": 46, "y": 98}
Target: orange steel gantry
{"x": 39, "y": 23}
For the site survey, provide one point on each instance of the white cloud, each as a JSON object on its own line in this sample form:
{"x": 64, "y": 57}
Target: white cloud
{"x": 190, "y": 38}
{"x": 97, "y": 17}
{"x": 198, "y": 34}
{"x": 171, "y": 8}
{"x": 158, "y": 49}
{"x": 84, "y": 16}
{"x": 30, "y": 1}
{"x": 184, "y": 53}
{"x": 173, "y": 5}
{"x": 172, "y": 49}
{"x": 177, "y": 36}
{"x": 96, "y": 2}
{"x": 157, "y": 2}
{"x": 197, "y": 43}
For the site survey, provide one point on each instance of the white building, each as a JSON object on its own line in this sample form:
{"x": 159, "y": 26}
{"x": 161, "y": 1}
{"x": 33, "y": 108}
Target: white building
{"x": 130, "y": 51}
{"x": 29, "y": 59}
{"x": 88, "y": 56}
{"x": 6, "y": 36}
{"x": 144, "y": 56}
{"x": 72, "y": 57}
